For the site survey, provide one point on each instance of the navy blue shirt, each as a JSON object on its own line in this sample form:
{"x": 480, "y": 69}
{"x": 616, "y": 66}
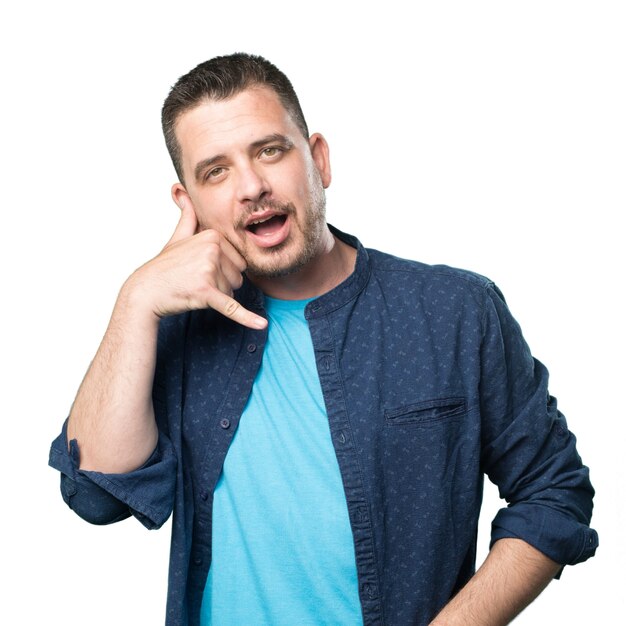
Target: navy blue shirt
{"x": 428, "y": 385}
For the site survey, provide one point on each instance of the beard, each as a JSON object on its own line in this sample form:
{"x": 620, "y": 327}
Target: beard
{"x": 302, "y": 245}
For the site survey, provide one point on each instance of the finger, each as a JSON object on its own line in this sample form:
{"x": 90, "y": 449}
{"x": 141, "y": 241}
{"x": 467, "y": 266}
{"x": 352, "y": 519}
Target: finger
{"x": 187, "y": 224}
{"x": 231, "y": 273}
{"x": 236, "y": 312}
{"x": 224, "y": 284}
{"x": 233, "y": 254}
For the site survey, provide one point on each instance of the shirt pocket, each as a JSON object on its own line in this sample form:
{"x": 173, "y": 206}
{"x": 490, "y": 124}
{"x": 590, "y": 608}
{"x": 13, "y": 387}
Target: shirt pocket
{"x": 428, "y": 412}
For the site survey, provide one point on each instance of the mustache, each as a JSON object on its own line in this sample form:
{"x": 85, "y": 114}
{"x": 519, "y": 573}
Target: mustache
{"x": 283, "y": 208}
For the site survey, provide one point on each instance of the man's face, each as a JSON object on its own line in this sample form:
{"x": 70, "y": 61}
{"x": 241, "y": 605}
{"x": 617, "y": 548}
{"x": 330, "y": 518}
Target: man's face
{"x": 251, "y": 175}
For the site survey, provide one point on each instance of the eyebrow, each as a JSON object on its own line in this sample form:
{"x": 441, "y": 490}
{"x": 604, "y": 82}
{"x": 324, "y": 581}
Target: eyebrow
{"x": 273, "y": 138}
{"x": 255, "y": 145}
{"x": 206, "y": 164}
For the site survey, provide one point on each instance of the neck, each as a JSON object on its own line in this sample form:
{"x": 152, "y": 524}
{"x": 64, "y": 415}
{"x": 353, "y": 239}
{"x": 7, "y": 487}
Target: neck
{"x": 332, "y": 265}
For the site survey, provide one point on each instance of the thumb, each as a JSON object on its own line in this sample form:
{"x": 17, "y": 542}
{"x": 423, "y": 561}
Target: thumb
{"x": 187, "y": 224}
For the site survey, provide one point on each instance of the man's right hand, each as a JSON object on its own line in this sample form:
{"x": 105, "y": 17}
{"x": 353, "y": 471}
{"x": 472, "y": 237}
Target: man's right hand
{"x": 195, "y": 270}
{"x": 113, "y": 417}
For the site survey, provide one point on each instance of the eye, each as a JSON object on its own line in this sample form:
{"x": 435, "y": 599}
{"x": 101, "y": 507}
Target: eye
{"x": 215, "y": 173}
{"x": 271, "y": 152}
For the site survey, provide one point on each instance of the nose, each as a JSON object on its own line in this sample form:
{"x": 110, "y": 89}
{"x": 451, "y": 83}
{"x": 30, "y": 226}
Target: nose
{"x": 252, "y": 185}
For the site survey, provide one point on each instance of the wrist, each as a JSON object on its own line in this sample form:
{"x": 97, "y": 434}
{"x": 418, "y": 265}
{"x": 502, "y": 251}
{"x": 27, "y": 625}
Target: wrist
{"x": 135, "y": 304}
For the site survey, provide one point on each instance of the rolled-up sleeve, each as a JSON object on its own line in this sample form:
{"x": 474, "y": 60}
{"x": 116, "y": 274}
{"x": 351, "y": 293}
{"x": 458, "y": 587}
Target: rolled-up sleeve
{"x": 147, "y": 493}
{"x": 527, "y": 448}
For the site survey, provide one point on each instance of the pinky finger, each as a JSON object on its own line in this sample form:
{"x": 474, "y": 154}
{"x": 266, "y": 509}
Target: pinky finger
{"x": 231, "y": 308}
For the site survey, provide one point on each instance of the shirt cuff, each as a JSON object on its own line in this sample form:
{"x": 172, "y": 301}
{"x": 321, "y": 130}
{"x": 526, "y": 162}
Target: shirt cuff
{"x": 147, "y": 493}
{"x": 564, "y": 540}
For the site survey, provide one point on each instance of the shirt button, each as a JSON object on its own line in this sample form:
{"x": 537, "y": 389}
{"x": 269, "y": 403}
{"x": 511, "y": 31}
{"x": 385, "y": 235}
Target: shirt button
{"x": 251, "y": 347}
{"x": 197, "y": 560}
{"x": 225, "y": 423}
{"x": 370, "y": 590}
{"x": 341, "y": 438}
{"x": 204, "y": 495}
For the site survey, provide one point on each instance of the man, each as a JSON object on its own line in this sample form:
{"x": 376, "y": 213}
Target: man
{"x": 325, "y": 467}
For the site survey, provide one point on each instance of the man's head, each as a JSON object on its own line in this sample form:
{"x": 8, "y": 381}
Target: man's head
{"x": 222, "y": 78}
{"x": 246, "y": 165}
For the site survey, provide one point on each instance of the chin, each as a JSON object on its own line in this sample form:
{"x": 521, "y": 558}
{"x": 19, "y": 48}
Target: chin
{"x": 302, "y": 246}
{"x": 278, "y": 262}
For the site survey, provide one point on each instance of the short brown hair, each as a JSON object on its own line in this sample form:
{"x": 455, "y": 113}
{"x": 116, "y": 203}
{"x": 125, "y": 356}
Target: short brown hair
{"x": 221, "y": 78}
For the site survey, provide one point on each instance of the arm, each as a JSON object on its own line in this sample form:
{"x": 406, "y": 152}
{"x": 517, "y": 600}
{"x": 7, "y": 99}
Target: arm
{"x": 529, "y": 453}
{"x": 527, "y": 449}
{"x": 511, "y": 577}
{"x": 112, "y": 418}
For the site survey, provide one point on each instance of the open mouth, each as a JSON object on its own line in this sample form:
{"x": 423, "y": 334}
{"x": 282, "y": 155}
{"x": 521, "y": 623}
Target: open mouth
{"x": 267, "y": 226}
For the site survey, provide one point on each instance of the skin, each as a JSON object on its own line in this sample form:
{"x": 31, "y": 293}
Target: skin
{"x": 260, "y": 165}
{"x": 244, "y": 158}
{"x": 512, "y": 576}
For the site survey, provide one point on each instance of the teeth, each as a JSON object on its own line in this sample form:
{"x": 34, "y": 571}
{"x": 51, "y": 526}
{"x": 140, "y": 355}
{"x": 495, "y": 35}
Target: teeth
{"x": 261, "y": 221}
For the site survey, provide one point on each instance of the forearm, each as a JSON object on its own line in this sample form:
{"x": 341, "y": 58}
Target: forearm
{"x": 112, "y": 417}
{"x": 511, "y": 577}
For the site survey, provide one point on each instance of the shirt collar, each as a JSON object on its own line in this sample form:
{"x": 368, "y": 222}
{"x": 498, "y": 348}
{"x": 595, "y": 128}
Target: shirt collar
{"x": 252, "y": 297}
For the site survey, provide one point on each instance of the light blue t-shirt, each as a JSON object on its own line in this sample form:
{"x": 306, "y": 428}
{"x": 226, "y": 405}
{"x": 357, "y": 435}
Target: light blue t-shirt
{"x": 283, "y": 550}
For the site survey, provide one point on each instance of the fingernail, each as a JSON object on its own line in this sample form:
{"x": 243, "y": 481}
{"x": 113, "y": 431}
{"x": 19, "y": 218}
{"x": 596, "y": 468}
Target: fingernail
{"x": 259, "y": 322}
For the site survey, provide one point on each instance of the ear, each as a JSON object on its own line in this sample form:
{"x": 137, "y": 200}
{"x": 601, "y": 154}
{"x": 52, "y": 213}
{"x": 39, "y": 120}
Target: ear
{"x": 181, "y": 197}
{"x": 321, "y": 157}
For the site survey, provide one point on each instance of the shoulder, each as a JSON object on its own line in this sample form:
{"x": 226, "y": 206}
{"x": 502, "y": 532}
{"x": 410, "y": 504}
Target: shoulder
{"x": 449, "y": 297}
{"x": 396, "y": 271}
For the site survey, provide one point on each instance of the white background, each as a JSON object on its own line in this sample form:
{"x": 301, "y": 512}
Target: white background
{"x": 486, "y": 135}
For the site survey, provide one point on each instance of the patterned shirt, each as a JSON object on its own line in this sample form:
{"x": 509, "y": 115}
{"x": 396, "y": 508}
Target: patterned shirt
{"x": 428, "y": 385}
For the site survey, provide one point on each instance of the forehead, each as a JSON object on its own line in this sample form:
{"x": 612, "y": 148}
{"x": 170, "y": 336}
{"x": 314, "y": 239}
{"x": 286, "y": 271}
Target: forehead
{"x": 222, "y": 124}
